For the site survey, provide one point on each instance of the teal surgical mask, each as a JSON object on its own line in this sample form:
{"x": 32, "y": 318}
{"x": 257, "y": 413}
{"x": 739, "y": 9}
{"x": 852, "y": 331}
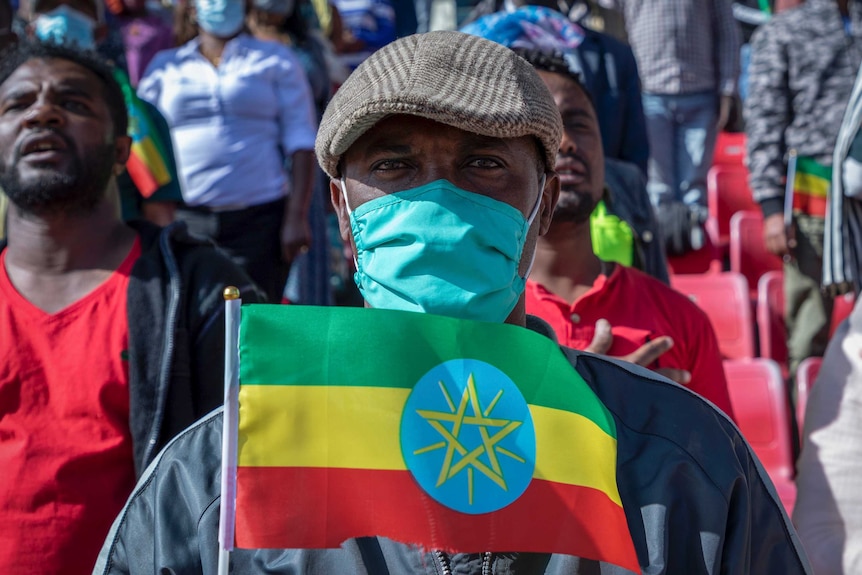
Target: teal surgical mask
{"x": 221, "y": 18}
{"x": 65, "y": 25}
{"x": 442, "y": 250}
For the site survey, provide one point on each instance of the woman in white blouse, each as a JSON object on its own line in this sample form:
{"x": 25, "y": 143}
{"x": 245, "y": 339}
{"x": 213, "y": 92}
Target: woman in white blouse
{"x": 243, "y": 124}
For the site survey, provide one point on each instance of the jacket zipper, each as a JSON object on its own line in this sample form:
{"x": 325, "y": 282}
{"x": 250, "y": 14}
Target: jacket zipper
{"x": 486, "y": 563}
{"x": 164, "y": 372}
{"x": 446, "y": 567}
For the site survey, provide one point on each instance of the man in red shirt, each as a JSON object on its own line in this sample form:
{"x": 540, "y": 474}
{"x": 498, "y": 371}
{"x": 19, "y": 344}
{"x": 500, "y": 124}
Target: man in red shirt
{"x": 107, "y": 331}
{"x": 601, "y": 306}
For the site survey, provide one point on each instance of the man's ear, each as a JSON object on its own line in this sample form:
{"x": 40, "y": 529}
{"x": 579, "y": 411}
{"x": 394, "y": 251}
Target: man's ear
{"x": 340, "y": 206}
{"x": 122, "y": 150}
{"x": 550, "y": 195}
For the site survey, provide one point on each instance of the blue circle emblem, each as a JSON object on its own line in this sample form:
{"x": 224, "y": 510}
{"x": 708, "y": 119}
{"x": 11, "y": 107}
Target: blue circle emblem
{"x": 468, "y": 438}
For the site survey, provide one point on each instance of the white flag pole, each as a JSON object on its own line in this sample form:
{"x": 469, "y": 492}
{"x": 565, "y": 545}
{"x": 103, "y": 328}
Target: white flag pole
{"x": 789, "y": 188}
{"x": 227, "y": 517}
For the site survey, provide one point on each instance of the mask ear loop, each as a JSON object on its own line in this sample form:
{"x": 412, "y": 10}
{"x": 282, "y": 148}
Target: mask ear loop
{"x": 349, "y": 213}
{"x": 532, "y": 217}
{"x": 344, "y": 194}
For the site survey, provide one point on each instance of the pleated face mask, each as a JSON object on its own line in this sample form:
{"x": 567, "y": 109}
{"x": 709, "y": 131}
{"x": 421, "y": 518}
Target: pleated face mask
{"x": 442, "y": 250}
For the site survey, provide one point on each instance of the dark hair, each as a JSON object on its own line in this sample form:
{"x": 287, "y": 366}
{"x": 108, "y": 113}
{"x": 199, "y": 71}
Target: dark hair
{"x": 297, "y": 24}
{"x": 113, "y": 94}
{"x": 555, "y": 63}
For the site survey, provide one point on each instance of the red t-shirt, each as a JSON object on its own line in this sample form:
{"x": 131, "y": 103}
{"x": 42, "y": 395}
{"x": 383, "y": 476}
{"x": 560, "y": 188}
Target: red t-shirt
{"x": 640, "y": 309}
{"x": 66, "y": 464}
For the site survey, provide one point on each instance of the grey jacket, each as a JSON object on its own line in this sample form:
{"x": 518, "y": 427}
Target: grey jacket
{"x": 803, "y": 65}
{"x": 696, "y": 500}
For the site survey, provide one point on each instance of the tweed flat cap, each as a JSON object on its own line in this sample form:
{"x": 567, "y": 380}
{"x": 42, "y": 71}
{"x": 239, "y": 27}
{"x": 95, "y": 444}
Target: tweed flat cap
{"x": 453, "y": 78}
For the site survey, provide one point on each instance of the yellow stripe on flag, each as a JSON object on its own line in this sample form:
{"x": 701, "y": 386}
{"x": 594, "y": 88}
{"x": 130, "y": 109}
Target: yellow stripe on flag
{"x": 320, "y": 426}
{"x": 596, "y": 461}
{"x": 150, "y": 156}
{"x": 357, "y": 427}
{"x": 811, "y": 185}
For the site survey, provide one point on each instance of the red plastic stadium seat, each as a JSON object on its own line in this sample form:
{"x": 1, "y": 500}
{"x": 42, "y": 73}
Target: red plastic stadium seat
{"x": 703, "y": 261}
{"x": 759, "y": 399}
{"x": 724, "y": 298}
{"x": 771, "y": 330}
{"x": 841, "y": 310}
{"x": 727, "y": 193}
{"x": 748, "y": 254}
{"x": 806, "y": 375}
{"x": 729, "y": 149}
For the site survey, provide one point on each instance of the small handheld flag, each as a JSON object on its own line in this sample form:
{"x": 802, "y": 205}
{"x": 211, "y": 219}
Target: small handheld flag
{"x": 811, "y": 181}
{"x": 147, "y": 164}
{"x": 447, "y": 434}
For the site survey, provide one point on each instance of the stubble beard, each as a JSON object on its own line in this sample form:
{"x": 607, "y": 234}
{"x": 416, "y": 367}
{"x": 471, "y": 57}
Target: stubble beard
{"x": 75, "y": 190}
{"x": 574, "y": 207}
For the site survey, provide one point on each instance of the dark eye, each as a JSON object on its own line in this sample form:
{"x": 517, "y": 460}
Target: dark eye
{"x": 14, "y": 106}
{"x": 387, "y": 165}
{"x": 75, "y": 106}
{"x": 485, "y": 163}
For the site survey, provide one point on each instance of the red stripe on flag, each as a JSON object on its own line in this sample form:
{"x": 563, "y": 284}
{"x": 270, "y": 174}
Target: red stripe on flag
{"x": 141, "y": 176}
{"x": 311, "y": 508}
{"x": 811, "y": 205}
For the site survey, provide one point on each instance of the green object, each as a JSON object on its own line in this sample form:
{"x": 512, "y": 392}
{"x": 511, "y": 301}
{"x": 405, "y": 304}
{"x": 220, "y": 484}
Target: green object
{"x": 613, "y": 239}
{"x": 394, "y": 349}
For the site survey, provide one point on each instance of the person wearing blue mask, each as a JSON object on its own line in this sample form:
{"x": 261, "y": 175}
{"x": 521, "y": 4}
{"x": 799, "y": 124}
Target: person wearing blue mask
{"x": 441, "y": 152}
{"x": 243, "y": 123}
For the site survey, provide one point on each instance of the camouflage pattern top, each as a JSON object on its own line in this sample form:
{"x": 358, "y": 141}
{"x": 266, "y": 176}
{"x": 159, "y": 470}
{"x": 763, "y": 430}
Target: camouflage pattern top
{"x": 803, "y": 66}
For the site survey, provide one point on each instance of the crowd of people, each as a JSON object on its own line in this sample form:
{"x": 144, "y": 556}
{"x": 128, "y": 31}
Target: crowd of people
{"x": 536, "y": 167}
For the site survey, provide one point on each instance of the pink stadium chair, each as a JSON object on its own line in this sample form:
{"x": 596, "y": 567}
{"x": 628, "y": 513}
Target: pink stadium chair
{"x": 729, "y": 149}
{"x": 727, "y": 193}
{"x": 806, "y": 375}
{"x": 759, "y": 398}
{"x": 724, "y": 297}
{"x": 841, "y": 310}
{"x": 748, "y": 254}
{"x": 770, "y": 318}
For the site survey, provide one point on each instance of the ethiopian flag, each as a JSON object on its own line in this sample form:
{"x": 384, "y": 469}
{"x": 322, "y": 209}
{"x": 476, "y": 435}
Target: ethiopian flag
{"x": 147, "y": 165}
{"x": 811, "y": 184}
{"x": 447, "y": 434}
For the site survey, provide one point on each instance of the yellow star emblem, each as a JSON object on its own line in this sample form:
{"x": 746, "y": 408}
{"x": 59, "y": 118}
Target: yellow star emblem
{"x": 450, "y": 424}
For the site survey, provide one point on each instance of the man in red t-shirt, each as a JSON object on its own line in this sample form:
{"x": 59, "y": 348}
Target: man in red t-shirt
{"x": 104, "y": 328}
{"x": 601, "y": 306}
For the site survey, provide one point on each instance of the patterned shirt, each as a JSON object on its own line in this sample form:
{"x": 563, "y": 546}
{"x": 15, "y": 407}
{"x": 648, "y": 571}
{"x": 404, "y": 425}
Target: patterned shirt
{"x": 803, "y": 65}
{"x": 683, "y": 46}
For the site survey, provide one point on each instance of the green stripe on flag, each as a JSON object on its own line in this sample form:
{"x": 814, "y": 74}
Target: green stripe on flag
{"x": 384, "y": 348}
{"x": 807, "y": 165}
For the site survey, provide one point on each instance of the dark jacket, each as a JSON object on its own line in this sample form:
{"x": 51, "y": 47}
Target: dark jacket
{"x": 626, "y": 197}
{"x": 696, "y": 499}
{"x": 176, "y": 334}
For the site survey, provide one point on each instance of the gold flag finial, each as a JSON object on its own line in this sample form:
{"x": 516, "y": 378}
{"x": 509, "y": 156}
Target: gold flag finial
{"x": 230, "y": 292}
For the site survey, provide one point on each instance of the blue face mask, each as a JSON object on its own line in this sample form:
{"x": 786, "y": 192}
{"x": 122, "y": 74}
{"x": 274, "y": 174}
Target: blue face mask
{"x": 442, "y": 250}
{"x": 65, "y": 25}
{"x": 221, "y": 18}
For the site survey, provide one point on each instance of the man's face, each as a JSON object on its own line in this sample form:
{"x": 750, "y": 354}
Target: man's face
{"x": 405, "y": 152}
{"x": 57, "y": 145}
{"x": 580, "y": 160}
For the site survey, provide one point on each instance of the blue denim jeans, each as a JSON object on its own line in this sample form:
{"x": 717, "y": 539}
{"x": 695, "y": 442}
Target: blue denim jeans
{"x": 681, "y": 130}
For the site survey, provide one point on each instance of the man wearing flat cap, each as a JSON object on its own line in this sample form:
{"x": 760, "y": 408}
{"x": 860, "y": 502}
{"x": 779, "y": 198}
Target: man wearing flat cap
{"x": 445, "y": 137}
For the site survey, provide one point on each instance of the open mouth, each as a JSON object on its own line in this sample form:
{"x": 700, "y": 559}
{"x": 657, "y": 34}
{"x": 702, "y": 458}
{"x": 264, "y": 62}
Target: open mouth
{"x": 43, "y": 146}
{"x": 571, "y": 173}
